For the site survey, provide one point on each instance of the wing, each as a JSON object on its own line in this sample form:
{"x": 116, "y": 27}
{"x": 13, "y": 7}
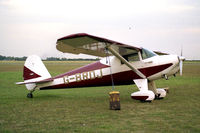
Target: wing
{"x": 91, "y": 45}
{"x": 97, "y": 46}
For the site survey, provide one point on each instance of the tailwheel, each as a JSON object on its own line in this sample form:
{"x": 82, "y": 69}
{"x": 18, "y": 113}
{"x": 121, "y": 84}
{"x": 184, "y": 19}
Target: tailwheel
{"x": 29, "y": 95}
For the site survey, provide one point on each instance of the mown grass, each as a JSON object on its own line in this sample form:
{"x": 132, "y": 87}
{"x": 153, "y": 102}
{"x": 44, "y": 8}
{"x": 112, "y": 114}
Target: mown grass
{"x": 87, "y": 109}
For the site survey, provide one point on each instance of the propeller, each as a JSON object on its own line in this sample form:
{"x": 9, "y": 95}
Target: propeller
{"x": 181, "y": 59}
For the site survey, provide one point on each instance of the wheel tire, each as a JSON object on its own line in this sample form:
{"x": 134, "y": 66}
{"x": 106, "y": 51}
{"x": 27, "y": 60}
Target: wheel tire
{"x": 29, "y": 95}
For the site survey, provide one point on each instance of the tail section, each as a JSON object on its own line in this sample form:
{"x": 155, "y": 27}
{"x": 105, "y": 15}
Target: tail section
{"x": 34, "y": 71}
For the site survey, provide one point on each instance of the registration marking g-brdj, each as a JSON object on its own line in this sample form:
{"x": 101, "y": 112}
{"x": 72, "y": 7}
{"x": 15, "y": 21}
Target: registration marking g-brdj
{"x": 83, "y": 76}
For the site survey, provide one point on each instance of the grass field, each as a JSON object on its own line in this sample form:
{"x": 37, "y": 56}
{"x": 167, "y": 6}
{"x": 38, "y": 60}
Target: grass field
{"x": 87, "y": 109}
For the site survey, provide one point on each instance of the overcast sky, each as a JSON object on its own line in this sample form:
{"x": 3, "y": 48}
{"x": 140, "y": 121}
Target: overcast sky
{"x": 33, "y": 26}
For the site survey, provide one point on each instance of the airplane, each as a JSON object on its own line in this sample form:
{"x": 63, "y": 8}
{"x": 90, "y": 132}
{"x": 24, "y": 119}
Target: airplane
{"x": 121, "y": 64}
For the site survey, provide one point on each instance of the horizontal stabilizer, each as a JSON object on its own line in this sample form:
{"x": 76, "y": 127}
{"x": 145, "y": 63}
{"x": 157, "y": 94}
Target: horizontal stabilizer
{"x": 37, "y": 82}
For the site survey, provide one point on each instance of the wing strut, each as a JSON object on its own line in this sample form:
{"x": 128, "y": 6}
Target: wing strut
{"x": 125, "y": 61}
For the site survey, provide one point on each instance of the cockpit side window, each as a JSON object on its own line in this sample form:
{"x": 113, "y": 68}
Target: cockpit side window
{"x": 132, "y": 57}
{"x": 129, "y": 54}
{"x": 147, "y": 54}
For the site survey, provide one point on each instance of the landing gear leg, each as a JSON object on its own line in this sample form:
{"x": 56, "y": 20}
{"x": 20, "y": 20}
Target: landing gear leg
{"x": 152, "y": 87}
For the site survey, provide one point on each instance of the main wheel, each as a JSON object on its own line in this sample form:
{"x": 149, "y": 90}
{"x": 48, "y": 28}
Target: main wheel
{"x": 29, "y": 95}
{"x": 157, "y": 97}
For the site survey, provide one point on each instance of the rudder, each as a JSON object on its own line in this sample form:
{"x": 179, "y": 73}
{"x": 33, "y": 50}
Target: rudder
{"x": 34, "y": 70}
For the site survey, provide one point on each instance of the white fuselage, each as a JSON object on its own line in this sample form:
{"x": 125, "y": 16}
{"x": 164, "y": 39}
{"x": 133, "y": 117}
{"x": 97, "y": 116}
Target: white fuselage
{"x": 153, "y": 68}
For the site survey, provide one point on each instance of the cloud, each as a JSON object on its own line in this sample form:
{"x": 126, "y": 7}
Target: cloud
{"x": 37, "y": 24}
{"x": 180, "y": 8}
{"x": 79, "y": 9}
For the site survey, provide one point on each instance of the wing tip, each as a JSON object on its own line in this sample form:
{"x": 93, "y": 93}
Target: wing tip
{"x": 73, "y": 36}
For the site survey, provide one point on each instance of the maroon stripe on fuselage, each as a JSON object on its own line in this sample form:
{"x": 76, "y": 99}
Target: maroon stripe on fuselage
{"x": 28, "y": 74}
{"x": 121, "y": 78}
{"x": 87, "y": 68}
{"x": 148, "y": 71}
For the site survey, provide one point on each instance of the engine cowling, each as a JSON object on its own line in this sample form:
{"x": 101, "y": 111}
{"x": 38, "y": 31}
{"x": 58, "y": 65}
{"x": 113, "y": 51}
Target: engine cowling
{"x": 161, "y": 93}
{"x": 143, "y": 95}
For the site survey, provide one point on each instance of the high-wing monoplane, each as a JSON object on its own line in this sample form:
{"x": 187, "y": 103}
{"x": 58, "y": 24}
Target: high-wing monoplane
{"x": 121, "y": 64}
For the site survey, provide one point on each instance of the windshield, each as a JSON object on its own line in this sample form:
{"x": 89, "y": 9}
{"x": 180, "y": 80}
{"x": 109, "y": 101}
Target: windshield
{"x": 147, "y": 54}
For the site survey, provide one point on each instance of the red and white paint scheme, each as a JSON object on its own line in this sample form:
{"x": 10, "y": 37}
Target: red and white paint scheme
{"x": 122, "y": 64}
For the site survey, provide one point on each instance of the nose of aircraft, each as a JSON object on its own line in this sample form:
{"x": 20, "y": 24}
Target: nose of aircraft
{"x": 181, "y": 59}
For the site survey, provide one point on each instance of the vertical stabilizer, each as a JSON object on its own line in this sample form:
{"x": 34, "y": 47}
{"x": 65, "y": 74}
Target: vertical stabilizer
{"x": 34, "y": 70}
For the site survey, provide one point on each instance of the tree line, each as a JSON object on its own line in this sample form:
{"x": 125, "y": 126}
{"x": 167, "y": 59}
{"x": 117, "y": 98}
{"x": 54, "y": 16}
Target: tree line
{"x": 12, "y": 58}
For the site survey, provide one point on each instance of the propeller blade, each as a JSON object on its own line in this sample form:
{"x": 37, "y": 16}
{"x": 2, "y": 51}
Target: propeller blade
{"x": 181, "y": 59}
{"x": 181, "y": 67}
